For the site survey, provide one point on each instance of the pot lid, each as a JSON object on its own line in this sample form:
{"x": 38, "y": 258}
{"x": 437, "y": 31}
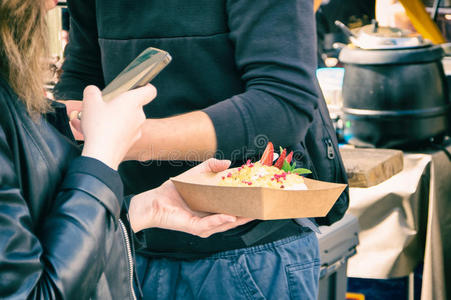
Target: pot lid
{"x": 375, "y": 37}
{"x": 359, "y": 56}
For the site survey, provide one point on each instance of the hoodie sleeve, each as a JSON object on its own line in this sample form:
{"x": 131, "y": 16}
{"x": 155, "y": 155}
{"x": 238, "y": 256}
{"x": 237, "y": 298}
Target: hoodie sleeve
{"x": 275, "y": 44}
{"x": 83, "y": 65}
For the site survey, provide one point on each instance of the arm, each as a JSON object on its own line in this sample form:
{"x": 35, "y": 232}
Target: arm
{"x": 82, "y": 66}
{"x": 188, "y": 136}
{"x": 45, "y": 263}
{"x": 275, "y": 49}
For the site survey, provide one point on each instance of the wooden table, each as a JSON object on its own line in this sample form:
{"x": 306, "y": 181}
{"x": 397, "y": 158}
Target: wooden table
{"x": 369, "y": 167}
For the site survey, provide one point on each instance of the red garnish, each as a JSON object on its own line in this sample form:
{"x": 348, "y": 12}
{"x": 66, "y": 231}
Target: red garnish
{"x": 279, "y": 162}
{"x": 289, "y": 157}
{"x": 268, "y": 155}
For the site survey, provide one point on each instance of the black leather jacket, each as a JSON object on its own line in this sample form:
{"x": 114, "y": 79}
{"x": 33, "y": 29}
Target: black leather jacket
{"x": 60, "y": 234}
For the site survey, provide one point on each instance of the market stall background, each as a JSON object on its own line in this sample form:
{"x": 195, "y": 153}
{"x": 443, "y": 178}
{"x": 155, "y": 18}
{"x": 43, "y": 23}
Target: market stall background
{"x": 405, "y": 221}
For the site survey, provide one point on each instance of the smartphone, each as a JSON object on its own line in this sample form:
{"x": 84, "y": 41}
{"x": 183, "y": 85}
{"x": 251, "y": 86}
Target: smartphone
{"x": 139, "y": 72}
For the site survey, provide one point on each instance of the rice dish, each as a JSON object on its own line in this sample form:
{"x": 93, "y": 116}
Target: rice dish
{"x": 259, "y": 175}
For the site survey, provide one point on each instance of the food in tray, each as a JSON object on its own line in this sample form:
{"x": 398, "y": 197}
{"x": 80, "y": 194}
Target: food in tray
{"x": 281, "y": 175}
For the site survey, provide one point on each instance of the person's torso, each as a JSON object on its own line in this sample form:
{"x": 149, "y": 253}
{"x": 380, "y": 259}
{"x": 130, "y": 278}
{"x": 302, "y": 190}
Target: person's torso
{"x": 41, "y": 156}
{"x": 196, "y": 35}
{"x": 203, "y": 72}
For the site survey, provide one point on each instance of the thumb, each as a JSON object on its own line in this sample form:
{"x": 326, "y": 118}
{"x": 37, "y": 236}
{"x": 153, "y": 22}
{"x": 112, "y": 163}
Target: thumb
{"x": 216, "y": 165}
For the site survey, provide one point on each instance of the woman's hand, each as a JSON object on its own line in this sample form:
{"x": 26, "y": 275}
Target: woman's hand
{"x": 163, "y": 207}
{"x": 73, "y": 107}
{"x": 111, "y": 128}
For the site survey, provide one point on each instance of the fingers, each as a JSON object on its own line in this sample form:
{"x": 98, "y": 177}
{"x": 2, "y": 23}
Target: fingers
{"x": 73, "y": 115}
{"x": 72, "y": 107}
{"x": 75, "y": 127}
{"x": 142, "y": 95}
{"x": 211, "y": 165}
{"x": 206, "y": 226}
{"x": 92, "y": 92}
{"x": 76, "y": 124}
{"x": 227, "y": 226}
{"x": 216, "y": 165}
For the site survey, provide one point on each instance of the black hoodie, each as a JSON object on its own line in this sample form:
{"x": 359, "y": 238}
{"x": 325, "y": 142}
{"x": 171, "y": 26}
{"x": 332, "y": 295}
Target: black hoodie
{"x": 250, "y": 65}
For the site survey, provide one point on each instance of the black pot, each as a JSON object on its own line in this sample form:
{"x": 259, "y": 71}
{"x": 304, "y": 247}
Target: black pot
{"x": 394, "y": 98}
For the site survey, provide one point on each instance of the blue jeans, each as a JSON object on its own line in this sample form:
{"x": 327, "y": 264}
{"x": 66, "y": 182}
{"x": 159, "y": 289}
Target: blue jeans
{"x": 285, "y": 269}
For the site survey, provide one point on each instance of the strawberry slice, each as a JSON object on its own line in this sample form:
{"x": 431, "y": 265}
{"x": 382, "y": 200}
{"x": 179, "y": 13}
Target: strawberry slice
{"x": 289, "y": 157}
{"x": 268, "y": 155}
{"x": 279, "y": 162}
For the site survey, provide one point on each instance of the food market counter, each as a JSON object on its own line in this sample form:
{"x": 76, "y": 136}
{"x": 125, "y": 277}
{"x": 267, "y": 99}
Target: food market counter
{"x": 406, "y": 220}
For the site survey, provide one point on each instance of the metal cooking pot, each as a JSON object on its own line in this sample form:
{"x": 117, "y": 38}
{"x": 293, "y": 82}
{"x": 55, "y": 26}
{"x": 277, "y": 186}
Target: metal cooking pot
{"x": 395, "y": 93}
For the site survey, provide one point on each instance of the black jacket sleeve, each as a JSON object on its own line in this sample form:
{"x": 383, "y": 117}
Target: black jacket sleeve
{"x": 275, "y": 50}
{"x": 83, "y": 64}
{"x": 64, "y": 254}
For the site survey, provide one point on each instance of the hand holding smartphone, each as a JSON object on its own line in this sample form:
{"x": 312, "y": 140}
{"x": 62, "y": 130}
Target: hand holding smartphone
{"x": 145, "y": 67}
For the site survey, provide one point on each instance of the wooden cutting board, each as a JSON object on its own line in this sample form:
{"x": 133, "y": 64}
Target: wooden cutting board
{"x": 368, "y": 167}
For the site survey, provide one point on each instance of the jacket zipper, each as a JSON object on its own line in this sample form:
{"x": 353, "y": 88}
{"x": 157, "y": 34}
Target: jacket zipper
{"x": 129, "y": 257}
{"x": 330, "y": 148}
{"x": 328, "y": 140}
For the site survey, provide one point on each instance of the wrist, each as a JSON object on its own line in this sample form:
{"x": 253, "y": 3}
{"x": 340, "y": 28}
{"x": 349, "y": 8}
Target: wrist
{"x": 100, "y": 154}
{"x": 139, "y": 212}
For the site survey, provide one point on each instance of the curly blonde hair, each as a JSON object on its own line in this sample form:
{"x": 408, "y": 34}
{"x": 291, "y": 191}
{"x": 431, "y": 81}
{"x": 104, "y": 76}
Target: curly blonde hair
{"x": 23, "y": 49}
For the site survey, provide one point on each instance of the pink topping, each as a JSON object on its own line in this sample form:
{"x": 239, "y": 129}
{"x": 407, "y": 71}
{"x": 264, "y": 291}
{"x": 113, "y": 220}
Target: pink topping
{"x": 282, "y": 176}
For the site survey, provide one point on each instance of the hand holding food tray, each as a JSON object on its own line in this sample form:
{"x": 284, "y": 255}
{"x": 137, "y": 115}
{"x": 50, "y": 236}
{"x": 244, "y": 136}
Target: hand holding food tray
{"x": 212, "y": 192}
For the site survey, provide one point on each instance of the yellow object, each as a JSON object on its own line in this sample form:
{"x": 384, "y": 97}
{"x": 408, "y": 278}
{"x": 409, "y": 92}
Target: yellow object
{"x": 422, "y": 22}
{"x": 316, "y": 4}
{"x": 355, "y": 296}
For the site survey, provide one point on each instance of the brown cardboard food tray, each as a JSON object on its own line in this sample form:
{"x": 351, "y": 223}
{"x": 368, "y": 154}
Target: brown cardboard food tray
{"x": 202, "y": 193}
